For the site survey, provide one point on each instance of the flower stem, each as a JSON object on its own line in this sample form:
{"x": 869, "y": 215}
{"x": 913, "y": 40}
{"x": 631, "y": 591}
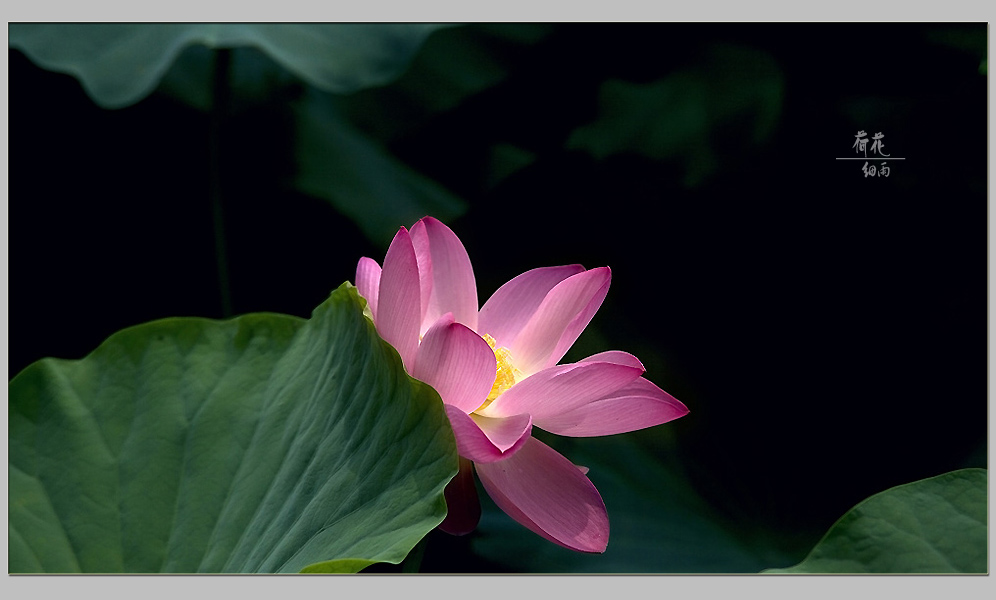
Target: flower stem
{"x": 219, "y": 110}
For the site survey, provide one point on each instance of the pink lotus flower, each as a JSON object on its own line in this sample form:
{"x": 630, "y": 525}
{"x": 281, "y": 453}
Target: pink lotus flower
{"x": 496, "y": 371}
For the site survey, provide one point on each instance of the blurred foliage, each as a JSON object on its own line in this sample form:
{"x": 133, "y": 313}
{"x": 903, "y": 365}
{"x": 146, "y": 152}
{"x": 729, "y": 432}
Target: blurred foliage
{"x": 121, "y": 63}
{"x": 937, "y": 525}
{"x": 254, "y": 78}
{"x": 451, "y": 67}
{"x": 964, "y": 37}
{"x": 337, "y": 162}
{"x": 680, "y": 116}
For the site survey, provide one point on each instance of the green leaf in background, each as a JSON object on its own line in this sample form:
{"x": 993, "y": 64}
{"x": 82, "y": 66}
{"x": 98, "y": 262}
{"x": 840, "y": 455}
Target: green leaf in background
{"x": 974, "y": 41}
{"x": 968, "y": 38}
{"x": 658, "y": 522}
{"x": 679, "y": 116}
{"x": 254, "y": 77}
{"x": 121, "y": 63}
{"x": 339, "y": 163}
{"x": 264, "y": 443}
{"x": 936, "y": 525}
{"x": 341, "y": 142}
{"x": 452, "y": 65}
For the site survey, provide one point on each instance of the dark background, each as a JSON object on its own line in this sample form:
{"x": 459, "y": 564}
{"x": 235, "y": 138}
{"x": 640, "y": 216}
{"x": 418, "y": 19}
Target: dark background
{"x": 827, "y": 330}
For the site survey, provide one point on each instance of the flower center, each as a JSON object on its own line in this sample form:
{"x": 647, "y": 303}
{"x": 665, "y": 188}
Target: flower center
{"x": 505, "y": 377}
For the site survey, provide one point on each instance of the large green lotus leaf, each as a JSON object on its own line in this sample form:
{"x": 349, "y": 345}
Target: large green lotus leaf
{"x": 658, "y": 522}
{"x": 341, "y": 164}
{"x": 121, "y": 63}
{"x": 264, "y": 443}
{"x": 728, "y": 90}
{"x": 935, "y": 525}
